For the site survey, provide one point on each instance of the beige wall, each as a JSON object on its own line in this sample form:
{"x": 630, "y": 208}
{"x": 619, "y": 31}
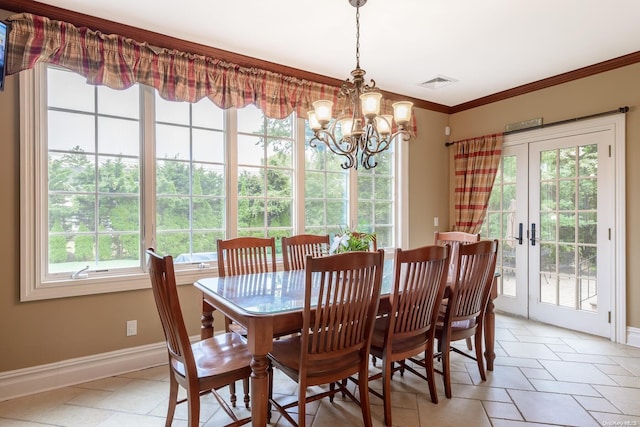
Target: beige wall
{"x": 590, "y": 95}
{"x": 428, "y": 175}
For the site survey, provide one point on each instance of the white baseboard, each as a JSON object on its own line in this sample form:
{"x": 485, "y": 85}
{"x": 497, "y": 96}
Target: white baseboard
{"x": 633, "y": 336}
{"x": 36, "y": 379}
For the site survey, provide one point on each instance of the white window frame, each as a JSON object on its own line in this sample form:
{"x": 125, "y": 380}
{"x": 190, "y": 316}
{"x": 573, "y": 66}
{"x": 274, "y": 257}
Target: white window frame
{"x": 34, "y": 224}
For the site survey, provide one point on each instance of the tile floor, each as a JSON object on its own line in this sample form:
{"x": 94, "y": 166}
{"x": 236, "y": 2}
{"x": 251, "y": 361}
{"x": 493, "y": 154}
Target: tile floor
{"x": 544, "y": 376}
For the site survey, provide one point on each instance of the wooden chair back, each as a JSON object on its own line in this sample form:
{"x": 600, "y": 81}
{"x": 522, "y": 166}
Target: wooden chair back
{"x": 245, "y": 255}
{"x": 472, "y": 281}
{"x": 339, "y": 320}
{"x": 296, "y": 248}
{"x": 420, "y": 278}
{"x": 163, "y": 283}
{"x": 454, "y": 239}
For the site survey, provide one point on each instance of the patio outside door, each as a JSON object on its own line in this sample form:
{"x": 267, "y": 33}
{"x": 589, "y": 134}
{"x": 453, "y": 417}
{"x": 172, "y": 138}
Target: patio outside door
{"x": 552, "y": 207}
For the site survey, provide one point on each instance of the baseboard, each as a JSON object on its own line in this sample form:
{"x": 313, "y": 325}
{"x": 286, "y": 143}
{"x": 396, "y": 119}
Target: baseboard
{"x": 633, "y": 336}
{"x": 36, "y": 379}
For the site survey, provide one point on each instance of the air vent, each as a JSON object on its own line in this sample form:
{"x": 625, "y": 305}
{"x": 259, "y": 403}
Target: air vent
{"x": 438, "y": 82}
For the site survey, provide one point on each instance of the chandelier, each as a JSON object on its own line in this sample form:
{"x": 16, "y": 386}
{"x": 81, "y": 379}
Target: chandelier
{"x": 359, "y": 132}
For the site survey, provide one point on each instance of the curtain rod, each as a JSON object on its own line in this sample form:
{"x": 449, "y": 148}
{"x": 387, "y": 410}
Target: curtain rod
{"x": 624, "y": 109}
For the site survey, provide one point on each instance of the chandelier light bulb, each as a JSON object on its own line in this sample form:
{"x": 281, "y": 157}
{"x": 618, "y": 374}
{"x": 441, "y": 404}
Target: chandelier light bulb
{"x": 314, "y": 124}
{"x": 322, "y": 109}
{"x": 346, "y": 126}
{"x": 383, "y": 124}
{"x": 370, "y": 103}
{"x": 402, "y": 112}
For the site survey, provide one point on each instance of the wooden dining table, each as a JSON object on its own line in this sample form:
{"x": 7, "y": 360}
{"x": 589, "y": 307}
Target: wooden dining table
{"x": 269, "y": 305}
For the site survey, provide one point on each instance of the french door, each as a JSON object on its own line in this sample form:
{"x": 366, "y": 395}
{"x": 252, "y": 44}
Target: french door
{"x": 553, "y": 209}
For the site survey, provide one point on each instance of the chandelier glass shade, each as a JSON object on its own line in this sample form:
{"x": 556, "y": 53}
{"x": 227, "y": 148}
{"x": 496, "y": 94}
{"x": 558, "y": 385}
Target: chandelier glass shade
{"x": 360, "y": 131}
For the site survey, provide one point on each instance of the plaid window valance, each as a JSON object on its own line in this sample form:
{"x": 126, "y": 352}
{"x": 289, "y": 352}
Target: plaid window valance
{"x": 119, "y": 62}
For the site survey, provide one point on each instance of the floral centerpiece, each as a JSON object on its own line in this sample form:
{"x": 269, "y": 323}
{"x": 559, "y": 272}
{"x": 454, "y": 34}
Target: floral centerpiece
{"x": 347, "y": 240}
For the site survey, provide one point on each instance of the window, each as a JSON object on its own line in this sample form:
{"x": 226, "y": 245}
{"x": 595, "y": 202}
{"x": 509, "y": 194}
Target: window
{"x": 107, "y": 173}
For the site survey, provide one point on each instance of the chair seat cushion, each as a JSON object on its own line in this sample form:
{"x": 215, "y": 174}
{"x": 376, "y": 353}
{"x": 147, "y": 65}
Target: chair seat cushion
{"x": 399, "y": 345}
{"x": 219, "y": 355}
{"x": 286, "y": 355}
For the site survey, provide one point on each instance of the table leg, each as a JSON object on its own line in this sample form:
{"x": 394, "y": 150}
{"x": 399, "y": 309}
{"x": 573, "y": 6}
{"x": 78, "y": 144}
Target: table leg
{"x": 490, "y": 327}
{"x": 260, "y": 343}
{"x": 206, "y": 328}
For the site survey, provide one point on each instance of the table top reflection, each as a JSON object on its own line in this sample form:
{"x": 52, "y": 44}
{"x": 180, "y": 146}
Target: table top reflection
{"x": 271, "y": 293}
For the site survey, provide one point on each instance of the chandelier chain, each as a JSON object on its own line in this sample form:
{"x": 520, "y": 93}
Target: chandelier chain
{"x": 358, "y": 36}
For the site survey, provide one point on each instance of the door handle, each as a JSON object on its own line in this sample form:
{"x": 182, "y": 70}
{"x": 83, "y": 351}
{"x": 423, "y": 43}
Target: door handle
{"x": 519, "y": 239}
{"x": 533, "y": 234}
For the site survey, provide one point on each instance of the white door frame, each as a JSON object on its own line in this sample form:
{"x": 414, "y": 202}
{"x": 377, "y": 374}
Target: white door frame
{"x": 618, "y": 233}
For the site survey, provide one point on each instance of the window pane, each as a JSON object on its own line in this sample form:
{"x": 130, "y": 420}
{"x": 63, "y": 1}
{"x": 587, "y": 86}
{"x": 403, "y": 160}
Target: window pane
{"x": 208, "y": 180}
{"x": 250, "y": 119}
{"x": 190, "y": 170}
{"x": 207, "y": 115}
{"x": 250, "y": 150}
{"x": 172, "y": 142}
{"x": 171, "y": 111}
{"x": 71, "y": 172}
{"x": 265, "y": 174}
{"x": 250, "y": 182}
{"x": 118, "y": 175}
{"x": 69, "y": 131}
{"x": 172, "y": 213}
{"x": 119, "y": 213}
{"x": 94, "y": 214}
{"x": 117, "y": 136}
{"x": 69, "y": 91}
{"x": 208, "y": 146}
{"x": 122, "y": 103}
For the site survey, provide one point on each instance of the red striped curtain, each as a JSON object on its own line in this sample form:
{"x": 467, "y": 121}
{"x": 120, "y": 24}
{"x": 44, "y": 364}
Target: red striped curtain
{"x": 476, "y": 164}
{"x": 119, "y": 62}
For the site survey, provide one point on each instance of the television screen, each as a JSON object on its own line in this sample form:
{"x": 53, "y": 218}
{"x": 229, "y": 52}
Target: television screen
{"x": 4, "y": 33}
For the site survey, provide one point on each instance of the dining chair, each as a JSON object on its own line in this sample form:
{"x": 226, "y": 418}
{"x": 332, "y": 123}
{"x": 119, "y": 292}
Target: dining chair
{"x": 202, "y": 367}
{"x": 296, "y": 248}
{"x": 419, "y": 280}
{"x": 244, "y": 255}
{"x": 342, "y": 293}
{"x": 455, "y": 239}
{"x": 467, "y": 302}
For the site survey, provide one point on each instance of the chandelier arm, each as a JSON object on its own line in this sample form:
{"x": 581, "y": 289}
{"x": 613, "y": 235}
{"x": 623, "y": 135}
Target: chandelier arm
{"x": 330, "y": 142}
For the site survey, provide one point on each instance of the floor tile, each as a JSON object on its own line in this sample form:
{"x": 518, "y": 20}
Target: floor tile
{"x": 565, "y": 387}
{"x": 576, "y": 372}
{"x": 502, "y": 410}
{"x": 452, "y": 412}
{"x": 625, "y": 399}
{"x": 551, "y": 408}
{"x": 528, "y": 350}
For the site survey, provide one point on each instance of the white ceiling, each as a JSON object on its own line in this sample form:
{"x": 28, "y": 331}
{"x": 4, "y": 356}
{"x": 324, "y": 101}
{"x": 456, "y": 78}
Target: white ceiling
{"x": 487, "y": 45}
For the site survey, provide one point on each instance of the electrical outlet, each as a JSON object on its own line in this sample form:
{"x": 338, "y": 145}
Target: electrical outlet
{"x": 435, "y": 221}
{"x": 132, "y": 327}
